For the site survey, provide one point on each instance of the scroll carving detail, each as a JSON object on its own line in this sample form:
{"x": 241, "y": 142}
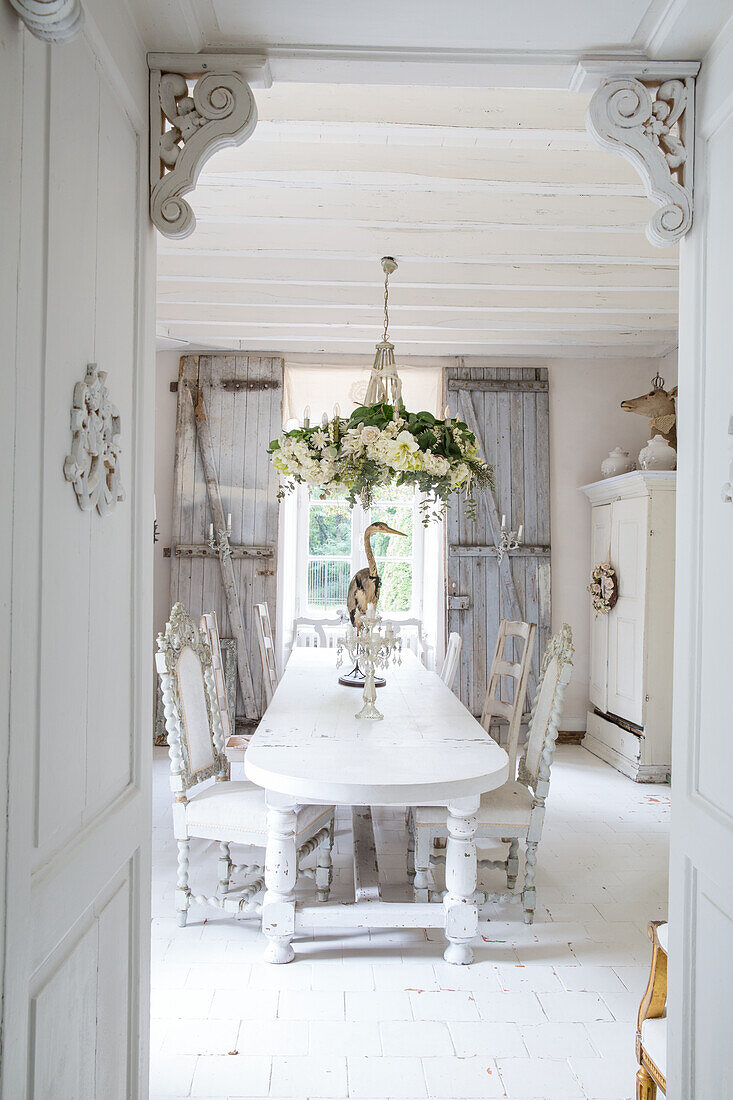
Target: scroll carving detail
{"x": 219, "y": 111}
{"x": 652, "y": 126}
{"x": 93, "y": 465}
{"x": 51, "y": 20}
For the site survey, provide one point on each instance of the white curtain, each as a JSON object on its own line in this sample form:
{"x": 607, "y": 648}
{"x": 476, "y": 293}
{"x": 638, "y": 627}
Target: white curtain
{"x": 322, "y": 387}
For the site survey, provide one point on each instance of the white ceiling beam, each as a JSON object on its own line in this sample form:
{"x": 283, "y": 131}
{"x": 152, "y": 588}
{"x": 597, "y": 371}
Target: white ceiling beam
{"x": 445, "y": 137}
{"x": 370, "y": 313}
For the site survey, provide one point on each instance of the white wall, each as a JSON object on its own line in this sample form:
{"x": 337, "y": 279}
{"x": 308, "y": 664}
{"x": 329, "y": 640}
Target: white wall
{"x": 586, "y": 422}
{"x": 76, "y": 280}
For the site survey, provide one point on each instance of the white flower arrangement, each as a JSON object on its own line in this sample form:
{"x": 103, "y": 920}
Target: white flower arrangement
{"x": 603, "y": 588}
{"x": 381, "y": 445}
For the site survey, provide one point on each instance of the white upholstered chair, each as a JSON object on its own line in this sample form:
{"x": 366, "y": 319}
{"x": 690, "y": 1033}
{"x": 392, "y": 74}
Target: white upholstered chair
{"x": 452, "y": 656}
{"x": 509, "y": 676}
{"x": 651, "y": 1027}
{"x": 266, "y": 643}
{"x": 515, "y": 811}
{"x": 224, "y": 811}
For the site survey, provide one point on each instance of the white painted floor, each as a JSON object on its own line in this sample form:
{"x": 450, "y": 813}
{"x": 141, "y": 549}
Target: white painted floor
{"x": 545, "y": 1011}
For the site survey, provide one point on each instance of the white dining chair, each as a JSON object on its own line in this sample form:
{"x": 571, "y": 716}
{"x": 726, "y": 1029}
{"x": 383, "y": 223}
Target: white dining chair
{"x": 209, "y": 628}
{"x": 452, "y": 656}
{"x": 412, "y": 634}
{"x": 222, "y": 810}
{"x": 515, "y": 811}
{"x": 266, "y": 644}
{"x": 508, "y": 678}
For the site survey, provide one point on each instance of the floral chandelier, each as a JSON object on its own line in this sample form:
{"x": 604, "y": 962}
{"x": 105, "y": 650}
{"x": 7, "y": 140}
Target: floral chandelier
{"x": 381, "y": 444}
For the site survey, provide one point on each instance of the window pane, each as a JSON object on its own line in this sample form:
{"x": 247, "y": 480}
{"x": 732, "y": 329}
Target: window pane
{"x": 392, "y": 493}
{"x": 398, "y": 516}
{"x": 328, "y": 583}
{"x": 396, "y": 591}
{"x": 329, "y": 530}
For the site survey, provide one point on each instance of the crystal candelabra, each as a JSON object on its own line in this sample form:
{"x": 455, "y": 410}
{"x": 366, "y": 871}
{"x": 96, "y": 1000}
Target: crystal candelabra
{"x": 508, "y": 540}
{"x": 370, "y": 647}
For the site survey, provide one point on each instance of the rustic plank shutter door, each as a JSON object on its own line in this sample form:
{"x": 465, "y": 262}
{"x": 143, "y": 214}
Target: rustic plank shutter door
{"x": 508, "y": 409}
{"x": 243, "y": 407}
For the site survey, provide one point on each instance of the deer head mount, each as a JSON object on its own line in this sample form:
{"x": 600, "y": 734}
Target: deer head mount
{"x": 659, "y": 406}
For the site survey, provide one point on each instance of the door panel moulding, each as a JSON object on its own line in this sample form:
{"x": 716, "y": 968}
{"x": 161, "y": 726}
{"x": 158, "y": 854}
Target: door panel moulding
{"x": 646, "y": 113}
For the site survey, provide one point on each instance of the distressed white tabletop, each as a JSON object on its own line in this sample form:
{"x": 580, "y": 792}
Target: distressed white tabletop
{"x": 428, "y": 748}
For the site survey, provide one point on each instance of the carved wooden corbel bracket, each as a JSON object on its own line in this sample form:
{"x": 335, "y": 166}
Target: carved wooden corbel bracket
{"x": 649, "y": 118}
{"x": 188, "y": 125}
{"x": 51, "y": 20}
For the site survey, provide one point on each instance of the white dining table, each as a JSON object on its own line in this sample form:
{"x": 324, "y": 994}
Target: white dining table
{"x": 310, "y": 749}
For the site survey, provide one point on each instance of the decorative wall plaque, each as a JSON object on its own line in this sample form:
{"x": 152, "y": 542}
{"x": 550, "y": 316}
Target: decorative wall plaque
{"x": 93, "y": 465}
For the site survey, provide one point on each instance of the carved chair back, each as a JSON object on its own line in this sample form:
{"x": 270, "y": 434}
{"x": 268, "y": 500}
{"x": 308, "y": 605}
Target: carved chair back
{"x": 450, "y": 663}
{"x": 557, "y": 665}
{"x": 192, "y": 720}
{"x": 315, "y": 633}
{"x": 412, "y": 634}
{"x": 209, "y": 628}
{"x": 266, "y": 643}
{"x": 508, "y": 678}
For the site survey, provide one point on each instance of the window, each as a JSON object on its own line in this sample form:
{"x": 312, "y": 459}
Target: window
{"x": 331, "y": 549}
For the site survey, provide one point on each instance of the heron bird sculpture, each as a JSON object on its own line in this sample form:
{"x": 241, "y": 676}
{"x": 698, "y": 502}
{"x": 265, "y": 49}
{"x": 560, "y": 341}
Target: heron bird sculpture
{"x": 365, "y": 584}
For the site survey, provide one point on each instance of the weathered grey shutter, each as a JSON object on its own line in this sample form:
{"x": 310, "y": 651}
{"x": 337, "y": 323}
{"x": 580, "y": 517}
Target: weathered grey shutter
{"x": 243, "y": 406}
{"x": 508, "y": 409}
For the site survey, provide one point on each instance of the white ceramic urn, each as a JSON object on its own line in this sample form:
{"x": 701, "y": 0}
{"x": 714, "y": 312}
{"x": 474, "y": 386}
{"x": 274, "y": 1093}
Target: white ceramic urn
{"x": 616, "y": 462}
{"x": 658, "y": 455}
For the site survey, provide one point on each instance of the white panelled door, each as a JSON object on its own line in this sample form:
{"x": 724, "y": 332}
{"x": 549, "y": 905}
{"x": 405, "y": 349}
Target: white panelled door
{"x": 600, "y": 551}
{"x": 626, "y": 625}
{"x": 75, "y": 948}
{"x": 701, "y": 860}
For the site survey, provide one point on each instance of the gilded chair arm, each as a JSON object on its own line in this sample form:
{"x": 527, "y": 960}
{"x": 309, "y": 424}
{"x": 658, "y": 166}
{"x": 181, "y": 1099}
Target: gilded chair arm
{"x": 655, "y": 995}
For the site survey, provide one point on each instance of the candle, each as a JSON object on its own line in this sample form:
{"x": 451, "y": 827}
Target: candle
{"x": 211, "y": 530}
{"x": 229, "y": 523}
{"x": 503, "y": 522}
{"x": 519, "y": 532}
{"x": 446, "y": 414}
{"x": 307, "y": 416}
{"x": 336, "y": 411}
{"x": 324, "y": 420}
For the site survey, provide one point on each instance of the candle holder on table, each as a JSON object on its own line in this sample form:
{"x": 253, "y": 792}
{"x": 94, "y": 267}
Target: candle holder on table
{"x": 374, "y": 647}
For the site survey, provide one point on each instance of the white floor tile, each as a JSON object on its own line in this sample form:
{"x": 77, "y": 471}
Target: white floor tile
{"x": 543, "y": 1077}
{"x": 488, "y": 1039}
{"x": 233, "y": 1075}
{"x": 171, "y": 1075}
{"x": 378, "y": 1006}
{"x": 557, "y": 1041}
{"x": 445, "y": 1005}
{"x": 244, "y": 1004}
{"x": 462, "y": 1078}
{"x": 518, "y": 1008}
{"x": 314, "y": 1076}
{"x": 388, "y": 1077}
{"x": 273, "y": 1037}
{"x": 408, "y": 976}
{"x": 624, "y": 1006}
{"x": 606, "y": 1080}
{"x": 200, "y": 1037}
{"x": 573, "y": 1007}
{"x": 346, "y": 1037}
{"x": 532, "y": 978}
{"x": 590, "y": 979}
{"x": 417, "y": 1038}
{"x": 309, "y": 1004}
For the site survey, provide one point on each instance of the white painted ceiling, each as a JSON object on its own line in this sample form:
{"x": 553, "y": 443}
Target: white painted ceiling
{"x": 381, "y": 136}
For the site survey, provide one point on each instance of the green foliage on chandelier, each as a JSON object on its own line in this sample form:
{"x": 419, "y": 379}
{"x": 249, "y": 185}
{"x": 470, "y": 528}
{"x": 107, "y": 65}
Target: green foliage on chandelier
{"x": 383, "y": 444}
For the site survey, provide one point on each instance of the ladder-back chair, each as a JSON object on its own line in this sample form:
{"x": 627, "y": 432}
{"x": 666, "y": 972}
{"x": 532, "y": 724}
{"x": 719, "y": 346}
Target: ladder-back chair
{"x": 209, "y": 628}
{"x": 508, "y": 677}
{"x": 515, "y": 811}
{"x": 266, "y": 643}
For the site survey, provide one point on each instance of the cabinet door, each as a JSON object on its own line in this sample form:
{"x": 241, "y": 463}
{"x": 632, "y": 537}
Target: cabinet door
{"x": 600, "y": 541}
{"x": 626, "y": 620}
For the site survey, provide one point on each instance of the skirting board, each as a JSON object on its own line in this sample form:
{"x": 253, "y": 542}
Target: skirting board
{"x": 622, "y": 750}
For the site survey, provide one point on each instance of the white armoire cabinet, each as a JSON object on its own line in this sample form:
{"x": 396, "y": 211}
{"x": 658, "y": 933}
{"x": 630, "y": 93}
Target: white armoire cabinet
{"x": 631, "y": 648}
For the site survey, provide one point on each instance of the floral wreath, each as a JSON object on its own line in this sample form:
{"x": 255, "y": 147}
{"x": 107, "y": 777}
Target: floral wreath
{"x": 603, "y": 587}
{"x": 383, "y": 444}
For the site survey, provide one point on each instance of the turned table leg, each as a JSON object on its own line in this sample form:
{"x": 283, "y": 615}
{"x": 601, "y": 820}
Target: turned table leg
{"x": 461, "y": 914}
{"x": 281, "y": 864}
